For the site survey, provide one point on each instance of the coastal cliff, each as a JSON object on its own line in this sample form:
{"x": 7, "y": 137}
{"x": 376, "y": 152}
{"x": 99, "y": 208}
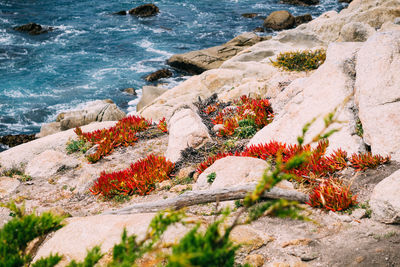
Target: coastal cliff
{"x": 358, "y": 81}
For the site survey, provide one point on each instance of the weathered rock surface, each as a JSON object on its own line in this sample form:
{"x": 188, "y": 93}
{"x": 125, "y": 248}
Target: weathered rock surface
{"x": 185, "y": 129}
{"x": 149, "y": 93}
{"x": 163, "y": 73}
{"x": 83, "y": 233}
{"x": 49, "y": 163}
{"x": 49, "y": 128}
{"x": 249, "y": 73}
{"x": 231, "y": 171}
{"x": 378, "y": 92}
{"x": 355, "y": 32}
{"x": 308, "y": 98}
{"x": 196, "y": 62}
{"x": 279, "y": 20}
{"x": 327, "y": 27}
{"x": 146, "y": 10}
{"x": 33, "y": 28}
{"x": 385, "y": 200}
{"x": 98, "y": 110}
{"x": 8, "y": 185}
{"x": 20, "y": 155}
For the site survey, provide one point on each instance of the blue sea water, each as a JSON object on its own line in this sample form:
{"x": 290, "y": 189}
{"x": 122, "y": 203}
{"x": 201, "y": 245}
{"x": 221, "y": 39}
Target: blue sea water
{"x": 93, "y": 54}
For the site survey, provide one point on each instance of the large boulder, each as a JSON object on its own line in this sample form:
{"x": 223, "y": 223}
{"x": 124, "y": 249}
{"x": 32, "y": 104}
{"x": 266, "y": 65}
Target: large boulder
{"x": 378, "y": 92}
{"x": 280, "y": 20}
{"x": 385, "y": 200}
{"x": 232, "y": 171}
{"x": 196, "y": 62}
{"x": 314, "y": 97}
{"x": 149, "y": 93}
{"x": 8, "y": 186}
{"x": 33, "y": 28}
{"x": 48, "y": 163}
{"x": 98, "y": 110}
{"x": 19, "y": 156}
{"x": 146, "y": 10}
{"x": 83, "y": 233}
{"x": 185, "y": 129}
{"x": 327, "y": 27}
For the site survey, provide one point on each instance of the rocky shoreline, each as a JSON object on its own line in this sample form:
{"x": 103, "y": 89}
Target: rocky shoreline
{"x": 359, "y": 79}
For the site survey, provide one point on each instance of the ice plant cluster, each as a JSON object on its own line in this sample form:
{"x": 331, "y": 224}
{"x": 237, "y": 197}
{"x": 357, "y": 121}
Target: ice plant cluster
{"x": 122, "y": 134}
{"x": 332, "y": 194}
{"x": 246, "y": 113}
{"x": 140, "y": 178}
{"x": 300, "y": 60}
{"x": 162, "y": 125}
{"x": 365, "y": 161}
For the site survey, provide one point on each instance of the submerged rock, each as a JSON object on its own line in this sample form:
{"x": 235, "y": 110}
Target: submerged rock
{"x": 15, "y": 140}
{"x": 249, "y": 15}
{"x": 33, "y": 28}
{"x": 145, "y": 10}
{"x": 130, "y": 91}
{"x": 163, "y": 73}
{"x": 302, "y": 19}
{"x": 301, "y": 2}
{"x": 280, "y": 20}
{"x": 121, "y": 13}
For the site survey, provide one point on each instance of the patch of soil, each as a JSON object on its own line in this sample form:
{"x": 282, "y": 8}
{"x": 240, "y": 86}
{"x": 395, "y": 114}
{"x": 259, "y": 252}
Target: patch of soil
{"x": 364, "y": 182}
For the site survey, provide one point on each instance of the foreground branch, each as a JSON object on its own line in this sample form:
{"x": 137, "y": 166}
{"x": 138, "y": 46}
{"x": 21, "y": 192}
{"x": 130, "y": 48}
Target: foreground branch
{"x": 191, "y": 198}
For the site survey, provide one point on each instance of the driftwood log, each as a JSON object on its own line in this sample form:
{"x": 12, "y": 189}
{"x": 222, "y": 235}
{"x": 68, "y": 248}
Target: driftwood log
{"x": 191, "y": 198}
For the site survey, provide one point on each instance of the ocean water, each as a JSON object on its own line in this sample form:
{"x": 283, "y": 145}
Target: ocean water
{"x": 93, "y": 54}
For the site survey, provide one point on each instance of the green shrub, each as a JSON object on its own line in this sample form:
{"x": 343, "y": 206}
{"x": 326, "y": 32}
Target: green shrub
{"x": 300, "y": 60}
{"x": 77, "y": 145}
{"x": 204, "y": 249}
{"x": 211, "y": 177}
{"x": 22, "y": 229}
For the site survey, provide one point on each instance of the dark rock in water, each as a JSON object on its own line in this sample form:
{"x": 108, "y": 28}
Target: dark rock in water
{"x": 146, "y": 10}
{"x": 163, "y": 73}
{"x": 259, "y": 29}
{"x": 33, "y": 28}
{"x": 249, "y": 15}
{"x": 279, "y": 20}
{"x": 14, "y": 140}
{"x": 130, "y": 91}
{"x": 302, "y": 19}
{"x": 122, "y": 13}
{"x": 301, "y": 2}
{"x": 345, "y": 1}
